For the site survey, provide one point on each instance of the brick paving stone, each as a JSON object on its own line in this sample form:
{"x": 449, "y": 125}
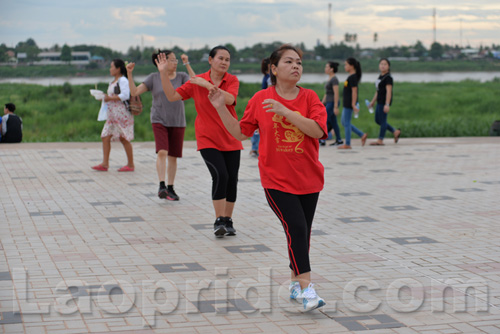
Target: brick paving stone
{"x": 81, "y": 228}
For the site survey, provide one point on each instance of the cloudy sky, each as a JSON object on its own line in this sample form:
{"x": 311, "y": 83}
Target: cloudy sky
{"x": 196, "y": 23}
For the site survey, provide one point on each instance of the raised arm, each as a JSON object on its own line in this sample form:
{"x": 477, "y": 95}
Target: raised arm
{"x": 169, "y": 90}
{"x": 185, "y": 62}
{"x": 134, "y": 90}
{"x": 217, "y": 98}
{"x": 309, "y": 126}
{"x": 228, "y": 98}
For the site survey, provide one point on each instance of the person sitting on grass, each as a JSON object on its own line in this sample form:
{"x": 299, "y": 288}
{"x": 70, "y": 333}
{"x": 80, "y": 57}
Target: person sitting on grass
{"x": 12, "y": 125}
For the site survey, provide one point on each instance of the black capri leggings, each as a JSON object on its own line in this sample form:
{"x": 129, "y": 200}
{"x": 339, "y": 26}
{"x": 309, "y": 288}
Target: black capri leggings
{"x": 223, "y": 166}
{"x": 296, "y": 213}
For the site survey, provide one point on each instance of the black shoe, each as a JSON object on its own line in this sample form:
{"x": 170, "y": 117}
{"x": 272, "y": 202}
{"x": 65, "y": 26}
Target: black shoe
{"x": 229, "y": 226}
{"x": 171, "y": 195}
{"x": 337, "y": 143}
{"x": 162, "y": 192}
{"x": 322, "y": 142}
{"x": 219, "y": 227}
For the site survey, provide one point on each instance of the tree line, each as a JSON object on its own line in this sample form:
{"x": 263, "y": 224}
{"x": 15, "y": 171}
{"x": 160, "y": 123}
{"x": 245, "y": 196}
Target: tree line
{"x": 250, "y": 54}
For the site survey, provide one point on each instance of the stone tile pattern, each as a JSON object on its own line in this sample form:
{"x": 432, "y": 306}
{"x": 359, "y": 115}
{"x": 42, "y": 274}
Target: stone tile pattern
{"x": 424, "y": 212}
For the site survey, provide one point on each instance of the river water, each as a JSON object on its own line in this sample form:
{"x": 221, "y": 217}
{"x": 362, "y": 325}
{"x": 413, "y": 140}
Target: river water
{"x": 306, "y": 78}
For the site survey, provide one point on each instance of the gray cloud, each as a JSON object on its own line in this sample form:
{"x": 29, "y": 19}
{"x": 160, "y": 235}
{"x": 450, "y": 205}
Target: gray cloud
{"x": 196, "y": 23}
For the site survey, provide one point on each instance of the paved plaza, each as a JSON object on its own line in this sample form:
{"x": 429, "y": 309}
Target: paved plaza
{"x": 406, "y": 239}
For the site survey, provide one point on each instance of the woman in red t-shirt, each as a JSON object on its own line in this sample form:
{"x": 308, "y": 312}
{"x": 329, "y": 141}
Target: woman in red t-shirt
{"x": 219, "y": 149}
{"x": 290, "y": 120}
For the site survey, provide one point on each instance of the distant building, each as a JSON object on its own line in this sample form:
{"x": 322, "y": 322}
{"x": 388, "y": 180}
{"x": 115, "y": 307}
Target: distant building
{"x": 471, "y": 53}
{"x": 98, "y": 59}
{"x": 11, "y": 55}
{"x": 366, "y": 54}
{"x": 404, "y": 58}
{"x": 22, "y": 57}
{"x": 54, "y": 58}
{"x": 204, "y": 57}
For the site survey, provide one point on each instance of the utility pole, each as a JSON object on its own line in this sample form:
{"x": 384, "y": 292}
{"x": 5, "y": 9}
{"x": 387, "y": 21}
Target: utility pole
{"x": 330, "y": 37}
{"x": 434, "y": 23}
{"x": 461, "y": 44}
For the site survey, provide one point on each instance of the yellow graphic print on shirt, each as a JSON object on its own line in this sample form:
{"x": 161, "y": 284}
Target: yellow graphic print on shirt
{"x": 292, "y": 135}
{"x": 345, "y": 83}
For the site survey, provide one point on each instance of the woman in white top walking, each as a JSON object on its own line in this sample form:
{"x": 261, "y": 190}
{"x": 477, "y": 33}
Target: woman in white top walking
{"x": 120, "y": 122}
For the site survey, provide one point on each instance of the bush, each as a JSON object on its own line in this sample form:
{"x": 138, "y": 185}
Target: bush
{"x": 66, "y": 88}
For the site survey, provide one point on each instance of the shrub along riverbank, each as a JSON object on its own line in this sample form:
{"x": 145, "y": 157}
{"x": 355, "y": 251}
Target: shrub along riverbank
{"x": 450, "y": 109}
{"x": 312, "y": 66}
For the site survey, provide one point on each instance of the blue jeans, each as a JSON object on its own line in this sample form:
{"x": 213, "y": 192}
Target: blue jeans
{"x": 332, "y": 119}
{"x": 255, "y": 141}
{"x": 381, "y": 119}
{"x": 346, "y": 122}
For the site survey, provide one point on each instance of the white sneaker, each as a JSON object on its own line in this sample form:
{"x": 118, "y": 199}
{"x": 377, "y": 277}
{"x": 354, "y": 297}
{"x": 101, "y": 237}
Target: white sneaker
{"x": 295, "y": 291}
{"x": 311, "y": 300}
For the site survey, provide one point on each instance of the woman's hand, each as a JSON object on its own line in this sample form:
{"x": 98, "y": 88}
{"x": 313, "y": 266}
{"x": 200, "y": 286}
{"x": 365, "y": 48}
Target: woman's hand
{"x": 107, "y": 98}
{"x": 336, "y": 111}
{"x": 274, "y": 106}
{"x": 201, "y": 82}
{"x": 356, "y": 110}
{"x": 386, "y": 108}
{"x": 371, "y": 104}
{"x": 216, "y": 97}
{"x": 130, "y": 67}
{"x": 161, "y": 62}
{"x": 184, "y": 58}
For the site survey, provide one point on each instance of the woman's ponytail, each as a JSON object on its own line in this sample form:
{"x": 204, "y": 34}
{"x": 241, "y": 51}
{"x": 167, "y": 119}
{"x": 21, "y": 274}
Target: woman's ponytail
{"x": 357, "y": 66}
{"x": 358, "y": 70}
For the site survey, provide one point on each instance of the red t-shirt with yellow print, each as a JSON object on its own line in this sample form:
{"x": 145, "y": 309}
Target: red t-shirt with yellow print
{"x": 288, "y": 159}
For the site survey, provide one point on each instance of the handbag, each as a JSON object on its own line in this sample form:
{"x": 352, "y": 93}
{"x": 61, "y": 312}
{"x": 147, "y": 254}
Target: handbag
{"x": 133, "y": 105}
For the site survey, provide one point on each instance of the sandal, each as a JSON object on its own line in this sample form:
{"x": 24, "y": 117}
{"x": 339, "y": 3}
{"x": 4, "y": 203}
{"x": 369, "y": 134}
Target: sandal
{"x": 376, "y": 143}
{"x": 126, "y": 169}
{"x": 100, "y": 168}
{"x": 397, "y": 133}
{"x": 363, "y": 139}
{"x": 344, "y": 147}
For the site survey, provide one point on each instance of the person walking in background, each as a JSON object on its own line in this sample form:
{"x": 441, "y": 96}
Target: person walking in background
{"x": 120, "y": 122}
{"x": 266, "y": 82}
{"x": 168, "y": 119}
{"x": 291, "y": 119}
{"x": 12, "y": 125}
{"x": 220, "y": 151}
{"x": 350, "y": 102}
{"x": 331, "y": 101}
{"x": 383, "y": 97}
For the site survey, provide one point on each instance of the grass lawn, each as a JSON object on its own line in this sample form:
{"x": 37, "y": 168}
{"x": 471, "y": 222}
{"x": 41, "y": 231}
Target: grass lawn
{"x": 450, "y": 109}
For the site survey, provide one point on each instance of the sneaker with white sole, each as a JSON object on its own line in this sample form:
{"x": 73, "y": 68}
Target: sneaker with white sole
{"x": 219, "y": 227}
{"x": 228, "y": 224}
{"x": 311, "y": 300}
{"x": 295, "y": 291}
